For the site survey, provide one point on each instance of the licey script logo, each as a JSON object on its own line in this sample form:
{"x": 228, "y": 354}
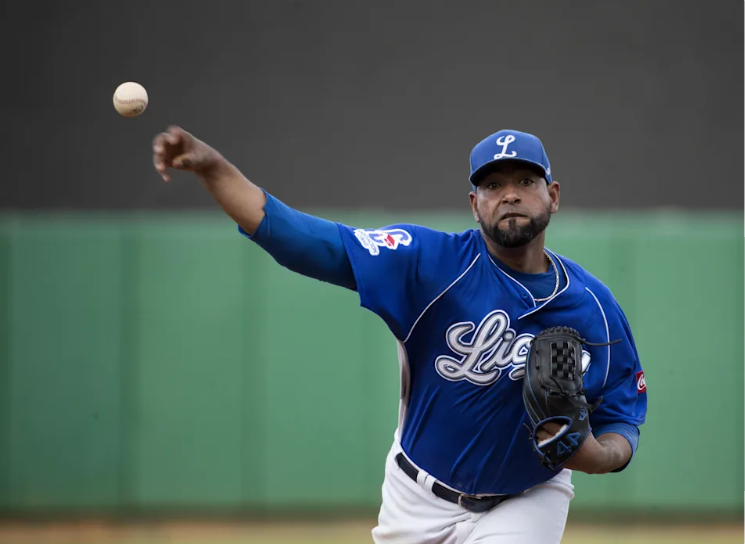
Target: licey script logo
{"x": 485, "y": 351}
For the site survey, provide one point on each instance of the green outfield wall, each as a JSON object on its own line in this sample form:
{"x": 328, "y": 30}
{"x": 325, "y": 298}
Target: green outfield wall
{"x": 161, "y": 360}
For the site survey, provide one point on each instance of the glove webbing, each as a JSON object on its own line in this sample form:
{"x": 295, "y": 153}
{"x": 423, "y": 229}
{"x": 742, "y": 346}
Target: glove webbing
{"x": 559, "y": 391}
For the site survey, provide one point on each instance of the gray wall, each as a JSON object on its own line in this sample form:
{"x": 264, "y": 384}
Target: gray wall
{"x": 372, "y": 104}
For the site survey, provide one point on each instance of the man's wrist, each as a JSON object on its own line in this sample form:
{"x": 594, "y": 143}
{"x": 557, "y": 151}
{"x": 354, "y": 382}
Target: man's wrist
{"x": 617, "y": 451}
{"x": 215, "y": 169}
{"x": 601, "y": 455}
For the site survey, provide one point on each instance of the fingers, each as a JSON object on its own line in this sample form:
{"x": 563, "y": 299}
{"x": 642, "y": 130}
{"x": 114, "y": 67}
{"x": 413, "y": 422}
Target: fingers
{"x": 175, "y": 148}
{"x": 161, "y": 155}
{"x": 185, "y": 161}
{"x": 552, "y": 427}
{"x": 547, "y": 431}
{"x": 175, "y": 135}
{"x": 166, "y": 146}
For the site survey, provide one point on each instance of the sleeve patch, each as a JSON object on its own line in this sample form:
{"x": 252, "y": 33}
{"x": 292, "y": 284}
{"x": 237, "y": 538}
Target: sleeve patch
{"x": 641, "y": 384}
{"x": 373, "y": 240}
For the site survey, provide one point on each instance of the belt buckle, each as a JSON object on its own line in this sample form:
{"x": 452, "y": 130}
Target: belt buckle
{"x": 475, "y": 504}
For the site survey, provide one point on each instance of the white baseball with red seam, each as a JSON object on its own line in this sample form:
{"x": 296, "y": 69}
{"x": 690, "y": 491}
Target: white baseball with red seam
{"x": 130, "y": 99}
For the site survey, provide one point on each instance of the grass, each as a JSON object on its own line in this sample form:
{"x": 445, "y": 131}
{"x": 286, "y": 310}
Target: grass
{"x": 327, "y": 533}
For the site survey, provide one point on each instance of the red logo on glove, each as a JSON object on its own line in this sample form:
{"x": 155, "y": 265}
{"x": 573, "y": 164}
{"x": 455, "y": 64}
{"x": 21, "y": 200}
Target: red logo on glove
{"x": 641, "y": 384}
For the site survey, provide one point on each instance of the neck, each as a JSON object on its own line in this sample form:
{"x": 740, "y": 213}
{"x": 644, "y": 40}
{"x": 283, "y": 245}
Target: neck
{"x": 529, "y": 258}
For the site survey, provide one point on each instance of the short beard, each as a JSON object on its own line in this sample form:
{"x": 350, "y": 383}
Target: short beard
{"x": 514, "y": 235}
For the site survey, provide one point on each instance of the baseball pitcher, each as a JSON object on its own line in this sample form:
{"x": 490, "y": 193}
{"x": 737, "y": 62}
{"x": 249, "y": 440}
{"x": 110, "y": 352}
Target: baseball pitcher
{"x": 517, "y": 366}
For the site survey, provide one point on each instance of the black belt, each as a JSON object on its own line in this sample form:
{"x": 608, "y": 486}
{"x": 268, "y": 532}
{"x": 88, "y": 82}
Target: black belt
{"x": 476, "y": 504}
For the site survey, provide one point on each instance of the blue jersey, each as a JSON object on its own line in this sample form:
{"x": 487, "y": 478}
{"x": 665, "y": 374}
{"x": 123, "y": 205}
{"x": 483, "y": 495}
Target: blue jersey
{"x": 464, "y": 327}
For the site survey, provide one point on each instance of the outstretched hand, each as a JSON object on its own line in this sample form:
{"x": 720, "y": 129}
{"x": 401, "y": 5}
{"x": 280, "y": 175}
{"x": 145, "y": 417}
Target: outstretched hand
{"x": 180, "y": 150}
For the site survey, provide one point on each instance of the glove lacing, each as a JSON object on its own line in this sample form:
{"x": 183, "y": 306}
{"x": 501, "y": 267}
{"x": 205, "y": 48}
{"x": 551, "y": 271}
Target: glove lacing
{"x": 560, "y": 392}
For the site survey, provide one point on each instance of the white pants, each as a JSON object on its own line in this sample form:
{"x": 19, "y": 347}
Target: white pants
{"x": 412, "y": 514}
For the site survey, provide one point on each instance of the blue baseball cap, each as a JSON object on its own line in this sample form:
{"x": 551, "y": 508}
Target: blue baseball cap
{"x": 508, "y": 145}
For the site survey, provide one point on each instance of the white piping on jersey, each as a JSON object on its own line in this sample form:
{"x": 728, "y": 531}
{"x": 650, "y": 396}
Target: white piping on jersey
{"x": 405, "y": 374}
{"x": 513, "y": 279}
{"x": 438, "y": 296}
{"x": 607, "y": 332}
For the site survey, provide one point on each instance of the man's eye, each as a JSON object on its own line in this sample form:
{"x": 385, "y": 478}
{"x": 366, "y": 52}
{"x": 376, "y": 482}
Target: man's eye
{"x": 493, "y": 185}
{"x": 526, "y": 181}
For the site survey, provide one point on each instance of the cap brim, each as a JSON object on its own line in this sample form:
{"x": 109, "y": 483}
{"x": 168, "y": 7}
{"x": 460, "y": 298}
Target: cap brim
{"x": 478, "y": 176}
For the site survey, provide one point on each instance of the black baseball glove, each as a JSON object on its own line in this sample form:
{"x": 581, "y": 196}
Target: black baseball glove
{"x": 553, "y": 391}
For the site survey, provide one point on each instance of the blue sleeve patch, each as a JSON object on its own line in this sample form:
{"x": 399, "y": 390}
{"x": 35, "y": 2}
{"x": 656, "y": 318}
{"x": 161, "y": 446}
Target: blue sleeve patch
{"x": 373, "y": 240}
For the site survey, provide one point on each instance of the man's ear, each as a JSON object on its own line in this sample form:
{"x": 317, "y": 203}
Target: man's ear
{"x": 554, "y": 193}
{"x": 472, "y": 198}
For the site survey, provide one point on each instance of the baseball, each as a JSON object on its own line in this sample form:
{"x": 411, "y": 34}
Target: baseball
{"x": 130, "y": 99}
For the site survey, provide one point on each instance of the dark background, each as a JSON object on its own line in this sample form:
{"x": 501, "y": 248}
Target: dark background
{"x": 374, "y": 104}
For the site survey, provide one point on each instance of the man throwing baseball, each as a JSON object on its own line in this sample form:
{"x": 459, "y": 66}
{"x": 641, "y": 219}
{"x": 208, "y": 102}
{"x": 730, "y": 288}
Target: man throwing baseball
{"x": 517, "y": 366}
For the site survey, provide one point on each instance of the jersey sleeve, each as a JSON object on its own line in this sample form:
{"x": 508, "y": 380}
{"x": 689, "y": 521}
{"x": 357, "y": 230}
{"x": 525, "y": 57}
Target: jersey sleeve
{"x": 400, "y": 269}
{"x": 303, "y": 243}
{"x": 624, "y": 389}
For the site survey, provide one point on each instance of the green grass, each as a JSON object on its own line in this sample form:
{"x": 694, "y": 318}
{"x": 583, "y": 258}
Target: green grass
{"x": 338, "y": 533}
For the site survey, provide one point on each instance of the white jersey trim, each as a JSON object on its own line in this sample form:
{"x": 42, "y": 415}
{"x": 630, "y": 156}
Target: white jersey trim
{"x": 607, "y": 332}
{"x": 440, "y": 295}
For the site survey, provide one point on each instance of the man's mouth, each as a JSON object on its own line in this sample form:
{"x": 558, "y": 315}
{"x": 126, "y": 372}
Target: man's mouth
{"x": 511, "y": 215}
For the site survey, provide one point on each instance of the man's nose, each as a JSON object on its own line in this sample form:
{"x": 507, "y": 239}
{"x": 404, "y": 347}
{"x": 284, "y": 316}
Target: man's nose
{"x": 510, "y": 197}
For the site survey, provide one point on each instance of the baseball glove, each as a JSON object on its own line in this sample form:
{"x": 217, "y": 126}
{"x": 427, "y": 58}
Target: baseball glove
{"x": 553, "y": 391}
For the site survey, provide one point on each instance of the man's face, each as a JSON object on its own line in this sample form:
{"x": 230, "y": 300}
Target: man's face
{"x": 513, "y": 204}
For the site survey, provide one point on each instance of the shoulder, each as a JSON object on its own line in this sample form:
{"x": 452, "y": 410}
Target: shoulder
{"x": 425, "y": 233}
{"x": 409, "y": 238}
{"x": 599, "y": 305}
{"x": 401, "y": 267}
{"x": 593, "y": 287}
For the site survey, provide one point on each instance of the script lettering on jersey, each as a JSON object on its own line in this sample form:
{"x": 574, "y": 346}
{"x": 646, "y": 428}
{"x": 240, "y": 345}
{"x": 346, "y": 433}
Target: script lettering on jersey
{"x": 485, "y": 351}
{"x": 504, "y": 141}
{"x": 372, "y": 239}
{"x": 492, "y": 347}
